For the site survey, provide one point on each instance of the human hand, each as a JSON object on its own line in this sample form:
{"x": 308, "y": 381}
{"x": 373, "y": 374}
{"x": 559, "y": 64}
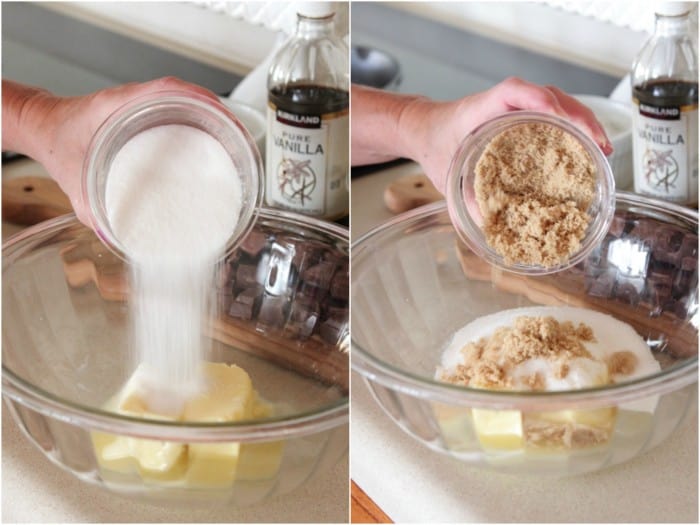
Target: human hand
{"x": 56, "y": 131}
{"x": 432, "y": 131}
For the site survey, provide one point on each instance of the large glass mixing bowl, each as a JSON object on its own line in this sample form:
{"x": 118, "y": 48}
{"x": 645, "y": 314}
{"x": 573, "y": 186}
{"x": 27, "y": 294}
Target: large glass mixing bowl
{"x": 283, "y": 297}
{"x": 414, "y": 284}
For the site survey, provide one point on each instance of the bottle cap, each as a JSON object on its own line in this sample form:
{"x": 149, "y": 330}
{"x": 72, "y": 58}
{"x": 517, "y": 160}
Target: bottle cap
{"x": 316, "y": 9}
{"x": 673, "y": 8}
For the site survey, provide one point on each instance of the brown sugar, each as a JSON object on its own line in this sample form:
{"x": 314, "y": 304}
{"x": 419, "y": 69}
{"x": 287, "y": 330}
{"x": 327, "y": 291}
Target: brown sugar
{"x": 534, "y": 184}
{"x": 561, "y": 371}
{"x": 622, "y": 363}
{"x": 547, "y": 434}
{"x": 535, "y": 381}
{"x": 487, "y": 361}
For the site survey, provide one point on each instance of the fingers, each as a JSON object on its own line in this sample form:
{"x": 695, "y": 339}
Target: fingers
{"x": 171, "y": 84}
{"x": 515, "y": 93}
{"x": 175, "y": 84}
{"x": 124, "y": 93}
{"x": 583, "y": 117}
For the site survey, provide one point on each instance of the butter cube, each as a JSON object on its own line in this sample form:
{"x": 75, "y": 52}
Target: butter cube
{"x": 260, "y": 461}
{"x": 598, "y": 417}
{"x": 212, "y": 465}
{"x": 228, "y": 395}
{"x": 498, "y": 429}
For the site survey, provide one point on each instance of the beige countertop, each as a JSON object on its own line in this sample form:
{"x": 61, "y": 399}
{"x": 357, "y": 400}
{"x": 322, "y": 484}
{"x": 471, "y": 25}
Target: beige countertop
{"x": 410, "y": 483}
{"x": 36, "y": 491}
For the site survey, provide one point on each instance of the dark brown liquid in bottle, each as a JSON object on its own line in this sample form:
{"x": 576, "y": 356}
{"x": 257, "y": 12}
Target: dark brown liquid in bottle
{"x": 667, "y": 93}
{"x": 305, "y": 99}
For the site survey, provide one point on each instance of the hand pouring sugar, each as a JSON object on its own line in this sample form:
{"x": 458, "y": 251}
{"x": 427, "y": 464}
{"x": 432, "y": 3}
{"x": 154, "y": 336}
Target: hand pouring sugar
{"x": 173, "y": 198}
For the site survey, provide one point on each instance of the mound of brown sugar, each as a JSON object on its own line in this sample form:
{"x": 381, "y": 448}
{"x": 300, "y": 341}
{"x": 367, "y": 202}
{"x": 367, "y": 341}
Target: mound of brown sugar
{"x": 487, "y": 361}
{"x": 534, "y": 184}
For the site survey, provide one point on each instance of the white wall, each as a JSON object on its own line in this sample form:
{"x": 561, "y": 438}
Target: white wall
{"x": 191, "y": 30}
{"x": 582, "y": 40}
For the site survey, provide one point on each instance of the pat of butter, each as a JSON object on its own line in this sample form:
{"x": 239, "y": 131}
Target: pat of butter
{"x": 597, "y": 417}
{"x": 259, "y": 461}
{"x": 212, "y": 464}
{"x": 227, "y": 395}
{"x": 499, "y": 429}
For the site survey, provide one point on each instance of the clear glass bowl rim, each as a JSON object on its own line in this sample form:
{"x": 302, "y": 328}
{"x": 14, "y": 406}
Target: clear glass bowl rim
{"x": 301, "y": 424}
{"x": 152, "y": 102}
{"x": 470, "y": 232}
{"x": 374, "y": 369}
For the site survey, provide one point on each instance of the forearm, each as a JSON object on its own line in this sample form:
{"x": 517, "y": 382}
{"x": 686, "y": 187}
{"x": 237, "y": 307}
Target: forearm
{"x": 377, "y": 120}
{"x": 22, "y": 128}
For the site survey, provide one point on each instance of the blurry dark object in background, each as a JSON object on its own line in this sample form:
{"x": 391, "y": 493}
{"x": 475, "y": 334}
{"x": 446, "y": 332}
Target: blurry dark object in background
{"x": 374, "y": 68}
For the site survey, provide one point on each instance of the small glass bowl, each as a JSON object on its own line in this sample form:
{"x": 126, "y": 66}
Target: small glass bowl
{"x": 165, "y": 108}
{"x": 466, "y": 216}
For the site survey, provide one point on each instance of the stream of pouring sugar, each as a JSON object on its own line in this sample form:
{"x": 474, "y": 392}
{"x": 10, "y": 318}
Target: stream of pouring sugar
{"x": 173, "y": 198}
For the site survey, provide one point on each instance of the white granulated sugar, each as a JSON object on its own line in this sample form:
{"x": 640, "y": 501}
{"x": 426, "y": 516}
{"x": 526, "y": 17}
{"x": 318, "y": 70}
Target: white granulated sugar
{"x": 172, "y": 192}
{"x": 173, "y": 198}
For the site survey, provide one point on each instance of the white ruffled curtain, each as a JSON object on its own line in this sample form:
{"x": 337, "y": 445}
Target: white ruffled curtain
{"x": 637, "y": 15}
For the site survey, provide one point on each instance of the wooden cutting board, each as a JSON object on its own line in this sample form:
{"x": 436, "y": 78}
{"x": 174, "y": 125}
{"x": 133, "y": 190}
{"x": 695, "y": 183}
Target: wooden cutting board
{"x": 363, "y": 509}
{"x": 29, "y": 200}
{"x": 410, "y": 191}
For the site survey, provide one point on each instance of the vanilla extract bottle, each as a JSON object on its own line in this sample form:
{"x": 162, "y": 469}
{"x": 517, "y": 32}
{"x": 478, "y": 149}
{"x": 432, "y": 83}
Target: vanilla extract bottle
{"x": 307, "y": 146}
{"x": 665, "y": 117}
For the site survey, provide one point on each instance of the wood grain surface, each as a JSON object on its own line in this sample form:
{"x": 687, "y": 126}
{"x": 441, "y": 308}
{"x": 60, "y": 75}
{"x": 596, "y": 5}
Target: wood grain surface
{"x": 363, "y": 509}
{"x": 410, "y": 191}
{"x": 29, "y": 200}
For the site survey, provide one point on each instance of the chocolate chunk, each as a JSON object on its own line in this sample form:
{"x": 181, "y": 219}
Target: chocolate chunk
{"x": 232, "y": 261}
{"x": 310, "y": 290}
{"x": 254, "y": 242}
{"x": 246, "y": 304}
{"x": 245, "y": 276}
{"x": 658, "y": 294}
{"x": 677, "y": 307}
{"x": 689, "y": 264}
{"x": 332, "y": 330}
{"x": 667, "y": 245}
{"x": 686, "y": 278}
{"x": 340, "y": 284}
{"x": 689, "y": 246}
{"x": 320, "y": 274}
{"x": 335, "y": 256}
{"x": 629, "y": 291}
{"x": 273, "y": 311}
{"x": 335, "y": 310}
{"x": 661, "y": 274}
{"x": 305, "y": 256}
